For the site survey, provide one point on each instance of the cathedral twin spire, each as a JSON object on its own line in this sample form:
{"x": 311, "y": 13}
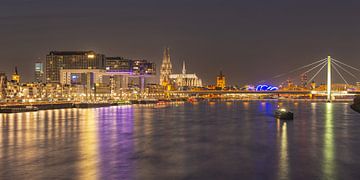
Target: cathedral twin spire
{"x": 166, "y": 68}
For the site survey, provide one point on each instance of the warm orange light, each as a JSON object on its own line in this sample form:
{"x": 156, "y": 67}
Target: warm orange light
{"x": 91, "y": 56}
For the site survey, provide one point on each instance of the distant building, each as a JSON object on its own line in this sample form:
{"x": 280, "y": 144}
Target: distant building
{"x": 358, "y": 85}
{"x": 303, "y": 79}
{"x": 3, "y": 82}
{"x": 57, "y": 60}
{"x": 15, "y": 76}
{"x": 166, "y": 68}
{"x": 220, "y": 81}
{"x": 39, "y": 72}
{"x": 313, "y": 85}
{"x": 185, "y": 80}
{"x": 135, "y": 67}
{"x": 118, "y": 64}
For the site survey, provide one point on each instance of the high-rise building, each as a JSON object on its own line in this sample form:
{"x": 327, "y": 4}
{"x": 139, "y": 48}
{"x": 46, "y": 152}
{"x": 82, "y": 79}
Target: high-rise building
{"x": 220, "y": 81}
{"x": 57, "y": 60}
{"x": 39, "y": 72}
{"x": 166, "y": 68}
{"x": 15, "y": 76}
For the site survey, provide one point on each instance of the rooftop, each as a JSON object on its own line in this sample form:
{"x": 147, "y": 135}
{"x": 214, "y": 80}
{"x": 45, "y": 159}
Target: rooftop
{"x": 68, "y": 53}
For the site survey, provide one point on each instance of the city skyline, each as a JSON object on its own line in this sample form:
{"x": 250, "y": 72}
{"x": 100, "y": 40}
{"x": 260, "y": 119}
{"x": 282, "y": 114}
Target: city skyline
{"x": 234, "y": 37}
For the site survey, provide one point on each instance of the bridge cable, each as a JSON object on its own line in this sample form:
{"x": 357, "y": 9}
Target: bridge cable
{"x": 346, "y": 65}
{"x": 351, "y": 74}
{"x": 297, "y": 69}
{"x": 340, "y": 75}
{"x": 317, "y": 73}
{"x": 314, "y": 67}
{"x": 319, "y": 63}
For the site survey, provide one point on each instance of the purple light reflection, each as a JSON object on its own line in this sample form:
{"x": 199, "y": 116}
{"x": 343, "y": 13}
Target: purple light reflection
{"x": 116, "y": 146}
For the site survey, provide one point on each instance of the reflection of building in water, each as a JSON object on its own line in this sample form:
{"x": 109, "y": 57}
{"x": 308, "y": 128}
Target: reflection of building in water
{"x": 185, "y": 80}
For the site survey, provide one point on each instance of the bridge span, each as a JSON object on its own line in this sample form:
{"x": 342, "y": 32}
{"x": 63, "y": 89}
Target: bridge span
{"x": 294, "y": 92}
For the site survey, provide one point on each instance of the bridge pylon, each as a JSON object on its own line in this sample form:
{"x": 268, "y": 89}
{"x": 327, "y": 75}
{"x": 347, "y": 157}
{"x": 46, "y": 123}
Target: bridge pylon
{"x": 329, "y": 79}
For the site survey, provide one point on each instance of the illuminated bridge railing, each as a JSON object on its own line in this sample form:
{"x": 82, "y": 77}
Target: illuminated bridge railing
{"x": 240, "y": 92}
{"x": 262, "y": 92}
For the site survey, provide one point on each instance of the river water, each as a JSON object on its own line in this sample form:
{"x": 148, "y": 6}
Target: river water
{"x": 239, "y": 140}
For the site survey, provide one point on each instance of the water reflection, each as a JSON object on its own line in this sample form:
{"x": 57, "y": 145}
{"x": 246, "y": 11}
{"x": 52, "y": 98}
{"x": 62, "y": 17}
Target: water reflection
{"x": 88, "y": 146}
{"x": 203, "y": 141}
{"x": 283, "y": 172}
{"x": 329, "y": 149}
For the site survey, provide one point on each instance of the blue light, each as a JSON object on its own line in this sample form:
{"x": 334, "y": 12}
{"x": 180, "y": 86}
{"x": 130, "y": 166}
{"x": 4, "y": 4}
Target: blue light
{"x": 264, "y": 87}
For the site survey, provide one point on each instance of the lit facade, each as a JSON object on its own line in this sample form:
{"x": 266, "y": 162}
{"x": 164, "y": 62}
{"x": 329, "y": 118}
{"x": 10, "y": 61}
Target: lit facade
{"x": 15, "y": 76}
{"x": 57, "y": 60}
{"x": 185, "y": 80}
{"x": 3, "y": 82}
{"x": 166, "y": 68}
{"x": 39, "y": 72}
{"x": 303, "y": 80}
{"x": 220, "y": 81}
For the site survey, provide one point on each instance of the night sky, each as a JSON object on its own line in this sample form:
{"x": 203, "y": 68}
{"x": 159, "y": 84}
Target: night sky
{"x": 248, "y": 40}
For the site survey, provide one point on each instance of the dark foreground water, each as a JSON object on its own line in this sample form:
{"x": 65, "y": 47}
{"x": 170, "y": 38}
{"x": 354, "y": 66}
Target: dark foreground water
{"x": 238, "y": 140}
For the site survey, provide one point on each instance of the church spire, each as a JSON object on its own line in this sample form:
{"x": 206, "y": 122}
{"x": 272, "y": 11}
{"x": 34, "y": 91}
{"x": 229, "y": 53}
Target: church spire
{"x": 166, "y": 68}
{"x": 184, "y": 68}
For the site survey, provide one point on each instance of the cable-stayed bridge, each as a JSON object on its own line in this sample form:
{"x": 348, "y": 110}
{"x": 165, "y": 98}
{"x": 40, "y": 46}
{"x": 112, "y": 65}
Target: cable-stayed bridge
{"x": 329, "y": 65}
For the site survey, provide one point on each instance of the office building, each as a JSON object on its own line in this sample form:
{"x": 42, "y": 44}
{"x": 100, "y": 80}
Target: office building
{"x": 57, "y": 60}
{"x": 39, "y": 72}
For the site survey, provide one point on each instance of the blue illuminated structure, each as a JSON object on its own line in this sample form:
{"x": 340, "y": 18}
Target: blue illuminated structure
{"x": 264, "y": 87}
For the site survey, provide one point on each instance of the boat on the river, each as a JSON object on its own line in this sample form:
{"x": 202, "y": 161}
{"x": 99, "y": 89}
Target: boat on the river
{"x": 18, "y": 109}
{"x": 356, "y": 105}
{"x": 284, "y": 114}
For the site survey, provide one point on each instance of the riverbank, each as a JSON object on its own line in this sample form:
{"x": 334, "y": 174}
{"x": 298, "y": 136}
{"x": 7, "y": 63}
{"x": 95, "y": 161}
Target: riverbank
{"x": 28, "y": 107}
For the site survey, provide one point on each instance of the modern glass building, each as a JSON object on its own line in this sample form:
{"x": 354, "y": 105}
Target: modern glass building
{"x": 57, "y": 60}
{"x": 133, "y": 67}
{"x": 39, "y": 72}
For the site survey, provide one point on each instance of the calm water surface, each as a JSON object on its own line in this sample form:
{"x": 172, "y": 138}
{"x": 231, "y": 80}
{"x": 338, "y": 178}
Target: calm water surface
{"x": 238, "y": 140}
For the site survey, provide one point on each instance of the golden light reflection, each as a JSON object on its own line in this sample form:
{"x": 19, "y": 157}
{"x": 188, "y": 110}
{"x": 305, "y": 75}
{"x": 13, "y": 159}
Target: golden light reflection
{"x": 283, "y": 172}
{"x": 88, "y": 146}
{"x": 329, "y": 150}
{"x": 246, "y": 105}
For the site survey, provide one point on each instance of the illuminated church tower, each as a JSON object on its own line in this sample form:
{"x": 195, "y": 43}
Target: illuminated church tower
{"x": 16, "y": 76}
{"x": 220, "y": 81}
{"x": 166, "y": 68}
